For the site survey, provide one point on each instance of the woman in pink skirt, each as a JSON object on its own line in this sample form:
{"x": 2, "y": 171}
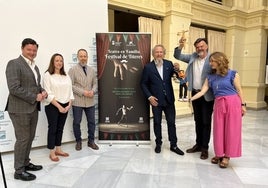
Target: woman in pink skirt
{"x": 229, "y": 107}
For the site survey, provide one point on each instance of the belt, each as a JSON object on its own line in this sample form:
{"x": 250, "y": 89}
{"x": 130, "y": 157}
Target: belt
{"x": 196, "y": 90}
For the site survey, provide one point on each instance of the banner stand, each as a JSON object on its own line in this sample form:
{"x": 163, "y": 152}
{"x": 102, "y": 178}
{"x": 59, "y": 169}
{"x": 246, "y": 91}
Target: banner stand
{"x": 123, "y": 110}
{"x": 3, "y": 173}
{"x": 115, "y": 142}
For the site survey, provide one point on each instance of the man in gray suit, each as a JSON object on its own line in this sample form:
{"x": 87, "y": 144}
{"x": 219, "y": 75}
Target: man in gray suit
{"x": 84, "y": 82}
{"x": 197, "y": 70}
{"x": 25, "y": 94}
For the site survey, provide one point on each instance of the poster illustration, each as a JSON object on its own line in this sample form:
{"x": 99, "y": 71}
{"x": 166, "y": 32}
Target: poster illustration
{"x": 123, "y": 109}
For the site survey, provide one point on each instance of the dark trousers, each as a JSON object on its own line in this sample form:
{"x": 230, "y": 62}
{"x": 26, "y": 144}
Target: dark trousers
{"x": 24, "y": 127}
{"x": 183, "y": 90}
{"x": 202, "y": 116}
{"x": 170, "y": 112}
{"x": 56, "y": 122}
{"x": 90, "y": 115}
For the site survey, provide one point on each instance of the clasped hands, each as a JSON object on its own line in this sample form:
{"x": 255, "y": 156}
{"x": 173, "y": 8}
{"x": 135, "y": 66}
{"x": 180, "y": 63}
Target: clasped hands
{"x": 88, "y": 93}
{"x": 41, "y": 96}
{"x": 64, "y": 109}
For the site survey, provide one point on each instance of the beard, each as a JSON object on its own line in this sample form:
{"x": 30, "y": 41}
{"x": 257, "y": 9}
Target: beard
{"x": 159, "y": 61}
{"x": 201, "y": 53}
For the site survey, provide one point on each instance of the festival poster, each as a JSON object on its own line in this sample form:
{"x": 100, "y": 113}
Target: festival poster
{"x": 123, "y": 110}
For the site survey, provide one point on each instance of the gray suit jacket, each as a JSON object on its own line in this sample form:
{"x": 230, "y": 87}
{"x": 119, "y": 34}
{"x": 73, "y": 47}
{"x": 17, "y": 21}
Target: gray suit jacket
{"x": 22, "y": 85}
{"x": 82, "y": 82}
{"x": 190, "y": 58}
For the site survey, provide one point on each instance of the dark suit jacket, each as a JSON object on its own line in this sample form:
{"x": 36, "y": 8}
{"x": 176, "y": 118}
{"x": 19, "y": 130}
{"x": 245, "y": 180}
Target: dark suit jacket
{"x": 153, "y": 85}
{"x": 22, "y": 86}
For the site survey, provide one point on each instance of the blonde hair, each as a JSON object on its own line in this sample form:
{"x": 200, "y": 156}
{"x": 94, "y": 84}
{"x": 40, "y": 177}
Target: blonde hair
{"x": 159, "y": 45}
{"x": 222, "y": 62}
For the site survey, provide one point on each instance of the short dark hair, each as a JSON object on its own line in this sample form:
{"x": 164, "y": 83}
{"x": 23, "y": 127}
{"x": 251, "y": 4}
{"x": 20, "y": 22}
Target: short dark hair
{"x": 199, "y": 40}
{"x": 82, "y": 49}
{"x": 28, "y": 41}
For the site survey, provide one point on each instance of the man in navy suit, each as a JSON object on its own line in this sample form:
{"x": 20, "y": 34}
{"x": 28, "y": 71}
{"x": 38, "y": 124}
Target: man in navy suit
{"x": 157, "y": 87}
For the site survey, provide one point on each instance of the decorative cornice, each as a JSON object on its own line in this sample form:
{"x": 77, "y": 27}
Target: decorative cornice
{"x": 154, "y": 7}
{"x": 225, "y": 17}
{"x": 210, "y": 14}
{"x": 180, "y": 6}
{"x": 200, "y": 12}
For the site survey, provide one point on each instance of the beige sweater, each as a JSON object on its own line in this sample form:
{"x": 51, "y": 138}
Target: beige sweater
{"x": 82, "y": 82}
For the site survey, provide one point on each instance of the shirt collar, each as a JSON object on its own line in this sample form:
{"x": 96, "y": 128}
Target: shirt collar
{"x": 29, "y": 62}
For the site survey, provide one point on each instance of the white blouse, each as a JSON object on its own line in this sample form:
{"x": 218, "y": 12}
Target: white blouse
{"x": 59, "y": 87}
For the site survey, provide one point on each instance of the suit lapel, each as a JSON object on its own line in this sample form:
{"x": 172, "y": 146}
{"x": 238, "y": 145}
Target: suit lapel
{"x": 155, "y": 71}
{"x": 31, "y": 71}
{"x": 165, "y": 69}
{"x": 38, "y": 75}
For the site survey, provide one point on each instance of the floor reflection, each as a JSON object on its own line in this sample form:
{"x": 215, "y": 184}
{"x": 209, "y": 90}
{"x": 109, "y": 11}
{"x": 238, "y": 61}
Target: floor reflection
{"x": 135, "y": 165}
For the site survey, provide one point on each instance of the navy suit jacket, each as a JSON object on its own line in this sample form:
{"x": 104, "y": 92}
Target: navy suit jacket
{"x": 153, "y": 85}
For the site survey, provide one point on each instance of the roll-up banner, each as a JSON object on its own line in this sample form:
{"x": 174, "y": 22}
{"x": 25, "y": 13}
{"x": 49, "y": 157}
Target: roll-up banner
{"x": 123, "y": 109}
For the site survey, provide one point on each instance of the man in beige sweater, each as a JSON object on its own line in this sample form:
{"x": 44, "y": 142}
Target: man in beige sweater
{"x": 84, "y": 82}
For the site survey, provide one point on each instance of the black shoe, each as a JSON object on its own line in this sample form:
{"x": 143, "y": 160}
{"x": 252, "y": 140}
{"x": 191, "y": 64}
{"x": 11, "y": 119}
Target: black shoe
{"x": 157, "y": 149}
{"x": 32, "y": 167}
{"x": 78, "y": 145}
{"x": 204, "y": 154}
{"x": 194, "y": 149}
{"x": 25, "y": 176}
{"x": 176, "y": 150}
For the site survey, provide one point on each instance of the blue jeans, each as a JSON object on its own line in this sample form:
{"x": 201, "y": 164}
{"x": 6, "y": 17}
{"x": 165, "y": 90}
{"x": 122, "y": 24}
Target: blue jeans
{"x": 90, "y": 115}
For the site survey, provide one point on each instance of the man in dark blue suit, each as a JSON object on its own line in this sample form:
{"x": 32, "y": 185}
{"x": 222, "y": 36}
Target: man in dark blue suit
{"x": 157, "y": 87}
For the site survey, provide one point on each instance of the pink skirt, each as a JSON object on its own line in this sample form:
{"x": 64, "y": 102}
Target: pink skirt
{"x": 227, "y": 126}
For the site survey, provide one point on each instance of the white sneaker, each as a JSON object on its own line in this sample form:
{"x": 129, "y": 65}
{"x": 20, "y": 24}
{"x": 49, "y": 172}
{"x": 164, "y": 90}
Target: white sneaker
{"x": 185, "y": 99}
{"x": 181, "y": 100}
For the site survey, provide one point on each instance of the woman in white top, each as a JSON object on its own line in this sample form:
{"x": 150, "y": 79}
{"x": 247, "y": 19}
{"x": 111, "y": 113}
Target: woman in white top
{"x": 60, "y": 95}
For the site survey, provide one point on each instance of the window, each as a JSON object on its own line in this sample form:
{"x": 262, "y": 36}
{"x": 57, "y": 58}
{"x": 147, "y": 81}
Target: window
{"x": 216, "y": 1}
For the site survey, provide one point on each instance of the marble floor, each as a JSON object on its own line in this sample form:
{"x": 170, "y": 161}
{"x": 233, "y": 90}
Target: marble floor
{"x": 131, "y": 166}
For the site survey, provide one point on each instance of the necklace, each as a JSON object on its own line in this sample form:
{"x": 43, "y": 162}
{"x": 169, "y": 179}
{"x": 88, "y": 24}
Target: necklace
{"x": 217, "y": 81}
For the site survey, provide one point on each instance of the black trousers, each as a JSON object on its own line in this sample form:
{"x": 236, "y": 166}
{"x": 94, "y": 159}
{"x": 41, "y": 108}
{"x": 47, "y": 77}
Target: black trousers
{"x": 183, "y": 91}
{"x": 56, "y": 122}
{"x": 202, "y": 115}
{"x": 170, "y": 112}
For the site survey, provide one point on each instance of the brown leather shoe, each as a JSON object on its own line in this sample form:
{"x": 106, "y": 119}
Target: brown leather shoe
{"x": 216, "y": 160}
{"x": 204, "y": 154}
{"x": 224, "y": 163}
{"x": 93, "y": 145}
{"x": 194, "y": 149}
{"x": 78, "y": 145}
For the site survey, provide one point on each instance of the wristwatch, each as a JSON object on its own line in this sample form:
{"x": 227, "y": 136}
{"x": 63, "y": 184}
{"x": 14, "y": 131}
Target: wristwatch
{"x": 243, "y": 104}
